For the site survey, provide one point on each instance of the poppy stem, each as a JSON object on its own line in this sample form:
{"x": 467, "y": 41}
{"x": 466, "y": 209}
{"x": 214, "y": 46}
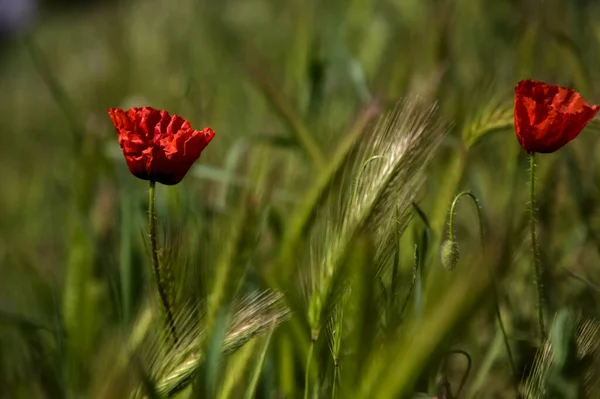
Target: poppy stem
{"x": 536, "y": 258}
{"x": 494, "y": 280}
{"x": 160, "y": 284}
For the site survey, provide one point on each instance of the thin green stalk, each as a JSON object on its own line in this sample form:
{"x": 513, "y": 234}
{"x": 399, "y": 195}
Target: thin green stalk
{"x": 413, "y": 281}
{"x": 251, "y": 390}
{"x": 335, "y": 380}
{"x": 396, "y": 266}
{"x": 306, "y": 211}
{"x": 307, "y": 371}
{"x": 236, "y": 370}
{"x": 420, "y": 258}
{"x": 536, "y": 259}
{"x": 125, "y": 258}
{"x": 162, "y": 291}
{"x": 493, "y": 280}
{"x": 582, "y": 279}
{"x": 337, "y": 343}
{"x": 452, "y": 178}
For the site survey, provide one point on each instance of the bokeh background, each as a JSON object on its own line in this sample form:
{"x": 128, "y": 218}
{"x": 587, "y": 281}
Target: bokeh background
{"x": 269, "y": 76}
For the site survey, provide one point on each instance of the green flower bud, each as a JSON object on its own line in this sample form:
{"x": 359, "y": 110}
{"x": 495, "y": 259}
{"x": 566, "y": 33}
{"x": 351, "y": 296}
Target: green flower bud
{"x": 450, "y": 254}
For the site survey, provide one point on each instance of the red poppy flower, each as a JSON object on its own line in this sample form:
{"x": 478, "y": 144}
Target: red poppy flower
{"x": 547, "y": 117}
{"x": 157, "y": 146}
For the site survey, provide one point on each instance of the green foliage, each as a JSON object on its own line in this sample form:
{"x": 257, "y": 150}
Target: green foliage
{"x": 300, "y": 254}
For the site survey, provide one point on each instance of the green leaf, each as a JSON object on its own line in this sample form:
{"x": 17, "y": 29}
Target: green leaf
{"x": 251, "y": 389}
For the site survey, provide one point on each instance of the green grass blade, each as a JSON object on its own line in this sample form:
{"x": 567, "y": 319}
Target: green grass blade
{"x": 306, "y": 211}
{"x": 251, "y": 390}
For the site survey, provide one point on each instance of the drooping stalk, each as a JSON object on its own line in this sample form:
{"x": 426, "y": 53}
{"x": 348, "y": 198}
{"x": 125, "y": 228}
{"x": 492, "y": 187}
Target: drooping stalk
{"x": 493, "y": 280}
{"x": 160, "y": 285}
{"x": 536, "y": 259}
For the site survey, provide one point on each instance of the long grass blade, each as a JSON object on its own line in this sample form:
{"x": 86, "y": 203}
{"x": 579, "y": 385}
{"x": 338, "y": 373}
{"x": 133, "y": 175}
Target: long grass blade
{"x": 251, "y": 390}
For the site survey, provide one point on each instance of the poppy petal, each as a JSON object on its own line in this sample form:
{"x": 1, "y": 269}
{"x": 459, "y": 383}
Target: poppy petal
{"x": 547, "y": 117}
{"x": 156, "y": 145}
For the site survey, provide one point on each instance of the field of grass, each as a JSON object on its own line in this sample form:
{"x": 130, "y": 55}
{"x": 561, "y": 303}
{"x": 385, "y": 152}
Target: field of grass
{"x": 301, "y": 253}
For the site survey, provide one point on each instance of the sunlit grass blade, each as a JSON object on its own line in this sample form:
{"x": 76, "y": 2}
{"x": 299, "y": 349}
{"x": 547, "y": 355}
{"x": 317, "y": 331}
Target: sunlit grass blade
{"x": 301, "y": 219}
{"x": 212, "y": 367}
{"x": 251, "y": 390}
{"x": 236, "y": 369}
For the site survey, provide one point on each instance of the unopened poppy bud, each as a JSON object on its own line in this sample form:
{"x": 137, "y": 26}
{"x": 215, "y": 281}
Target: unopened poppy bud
{"x": 450, "y": 254}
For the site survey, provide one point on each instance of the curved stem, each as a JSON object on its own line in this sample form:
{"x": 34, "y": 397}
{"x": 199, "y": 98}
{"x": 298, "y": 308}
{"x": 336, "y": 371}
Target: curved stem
{"x": 536, "y": 259}
{"x": 463, "y": 381}
{"x": 307, "y": 371}
{"x": 478, "y": 209}
{"x": 162, "y": 291}
{"x": 493, "y": 280}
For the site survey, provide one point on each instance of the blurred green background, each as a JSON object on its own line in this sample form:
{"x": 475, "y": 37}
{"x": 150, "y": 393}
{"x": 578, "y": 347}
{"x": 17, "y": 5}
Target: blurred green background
{"x": 284, "y": 84}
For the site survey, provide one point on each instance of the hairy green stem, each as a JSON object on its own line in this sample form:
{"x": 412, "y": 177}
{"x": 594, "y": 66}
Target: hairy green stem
{"x": 307, "y": 371}
{"x": 493, "y": 280}
{"x": 536, "y": 259}
{"x": 160, "y": 286}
